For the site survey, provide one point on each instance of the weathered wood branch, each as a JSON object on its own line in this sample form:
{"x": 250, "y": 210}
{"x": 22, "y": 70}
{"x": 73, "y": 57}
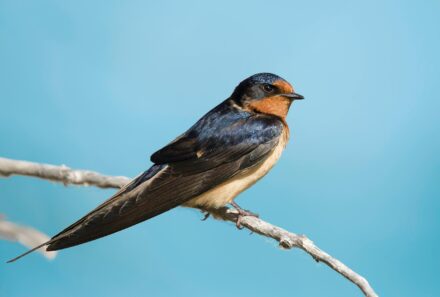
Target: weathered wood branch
{"x": 60, "y": 174}
{"x": 285, "y": 238}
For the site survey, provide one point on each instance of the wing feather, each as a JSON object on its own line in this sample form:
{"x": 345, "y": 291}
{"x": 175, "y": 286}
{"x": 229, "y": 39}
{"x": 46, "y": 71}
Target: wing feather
{"x": 222, "y": 144}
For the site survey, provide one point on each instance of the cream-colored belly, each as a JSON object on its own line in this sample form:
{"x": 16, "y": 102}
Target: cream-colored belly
{"x": 227, "y": 191}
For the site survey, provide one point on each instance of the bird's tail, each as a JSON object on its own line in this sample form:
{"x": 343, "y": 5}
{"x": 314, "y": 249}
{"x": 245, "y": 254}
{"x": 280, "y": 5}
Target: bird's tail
{"x": 30, "y": 251}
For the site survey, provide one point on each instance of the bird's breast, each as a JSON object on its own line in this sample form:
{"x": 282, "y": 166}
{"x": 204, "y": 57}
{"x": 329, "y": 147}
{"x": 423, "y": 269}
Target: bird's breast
{"x": 227, "y": 191}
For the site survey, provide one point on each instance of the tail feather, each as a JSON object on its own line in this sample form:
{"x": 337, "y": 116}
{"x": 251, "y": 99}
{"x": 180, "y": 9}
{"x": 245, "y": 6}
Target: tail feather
{"x": 30, "y": 251}
{"x": 66, "y": 237}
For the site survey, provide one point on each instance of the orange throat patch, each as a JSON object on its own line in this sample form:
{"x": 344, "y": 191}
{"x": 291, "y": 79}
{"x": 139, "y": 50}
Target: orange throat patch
{"x": 276, "y": 105}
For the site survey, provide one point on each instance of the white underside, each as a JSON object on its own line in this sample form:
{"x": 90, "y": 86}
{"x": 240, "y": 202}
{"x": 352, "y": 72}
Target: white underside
{"x": 227, "y": 191}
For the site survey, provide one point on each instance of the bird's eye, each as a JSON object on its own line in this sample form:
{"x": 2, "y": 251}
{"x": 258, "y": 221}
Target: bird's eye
{"x": 268, "y": 88}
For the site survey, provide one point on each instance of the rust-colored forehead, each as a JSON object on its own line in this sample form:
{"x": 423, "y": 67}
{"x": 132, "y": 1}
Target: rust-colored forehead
{"x": 284, "y": 86}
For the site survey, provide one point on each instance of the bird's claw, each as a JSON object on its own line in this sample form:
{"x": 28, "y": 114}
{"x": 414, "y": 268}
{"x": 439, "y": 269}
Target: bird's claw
{"x": 241, "y": 214}
{"x": 206, "y": 215}
{"x": 238, "y": 222}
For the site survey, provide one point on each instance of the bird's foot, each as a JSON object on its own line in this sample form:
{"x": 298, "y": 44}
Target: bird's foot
{"x": 206, "y": 215}
{"x": 241, "y": 214}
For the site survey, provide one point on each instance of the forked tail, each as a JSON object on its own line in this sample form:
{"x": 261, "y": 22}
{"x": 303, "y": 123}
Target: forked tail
{"x": 30, "y": 251}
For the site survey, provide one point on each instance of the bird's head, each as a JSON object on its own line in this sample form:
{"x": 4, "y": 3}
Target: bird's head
{"x": 265, "y": 93}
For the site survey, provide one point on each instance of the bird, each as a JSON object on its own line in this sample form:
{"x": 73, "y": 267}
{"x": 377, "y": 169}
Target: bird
{"x": 224, "y": 153}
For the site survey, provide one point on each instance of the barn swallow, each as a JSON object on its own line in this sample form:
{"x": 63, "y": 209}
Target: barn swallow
{"x": 228, "y": 150}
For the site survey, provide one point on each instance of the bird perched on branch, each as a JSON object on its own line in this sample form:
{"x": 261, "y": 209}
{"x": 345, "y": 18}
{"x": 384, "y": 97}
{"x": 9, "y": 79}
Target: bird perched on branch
{"x": 224, "y": 153}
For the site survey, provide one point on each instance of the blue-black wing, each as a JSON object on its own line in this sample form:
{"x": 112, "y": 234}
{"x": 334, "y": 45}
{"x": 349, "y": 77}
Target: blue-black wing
{"x": 220, "y": 145}
{"x": 224, "y": 135}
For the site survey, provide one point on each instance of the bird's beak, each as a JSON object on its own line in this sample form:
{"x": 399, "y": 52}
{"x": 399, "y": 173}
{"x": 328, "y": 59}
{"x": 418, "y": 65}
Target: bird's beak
{"x": 294, "y": 96}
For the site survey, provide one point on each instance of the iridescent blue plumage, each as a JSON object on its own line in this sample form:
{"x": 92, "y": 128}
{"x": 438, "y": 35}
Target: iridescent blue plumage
{"x": 224, "y": 129}
{"x": 222, "y": 154}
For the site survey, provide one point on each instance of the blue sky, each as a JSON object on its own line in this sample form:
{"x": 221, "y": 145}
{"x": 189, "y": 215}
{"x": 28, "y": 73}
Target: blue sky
{"x": 101, "y": 85}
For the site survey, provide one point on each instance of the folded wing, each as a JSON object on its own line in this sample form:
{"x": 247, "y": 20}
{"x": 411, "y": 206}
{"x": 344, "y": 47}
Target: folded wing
{"x": 217, "y": 147}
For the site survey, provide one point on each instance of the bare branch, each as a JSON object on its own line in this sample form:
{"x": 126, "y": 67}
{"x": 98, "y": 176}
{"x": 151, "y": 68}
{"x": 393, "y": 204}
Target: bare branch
{"x": 27, "y": 236}
{"x": 285, "y": 238}
{"x": 61, "y": 174}
{"x": 289, "y": 240}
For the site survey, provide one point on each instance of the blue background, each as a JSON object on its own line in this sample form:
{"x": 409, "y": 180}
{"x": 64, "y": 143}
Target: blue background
{"x": 103, "y": 84}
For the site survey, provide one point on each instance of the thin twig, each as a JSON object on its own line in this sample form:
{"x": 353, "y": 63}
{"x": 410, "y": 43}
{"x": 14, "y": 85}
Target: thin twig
{"x": 285, "y": 238}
